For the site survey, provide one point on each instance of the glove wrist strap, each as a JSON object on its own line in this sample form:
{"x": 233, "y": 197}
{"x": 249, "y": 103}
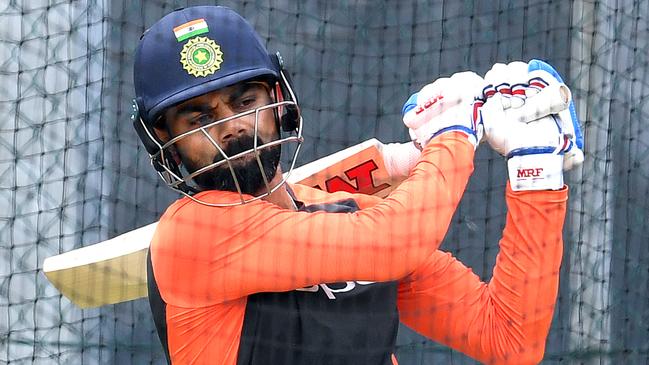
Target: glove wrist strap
{"x": 536, "y": 172}
{"x": 470, "y": 134}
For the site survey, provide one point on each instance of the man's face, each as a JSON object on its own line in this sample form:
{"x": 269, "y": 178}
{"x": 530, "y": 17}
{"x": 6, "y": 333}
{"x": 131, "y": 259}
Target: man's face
{"x": 197, "y": 150}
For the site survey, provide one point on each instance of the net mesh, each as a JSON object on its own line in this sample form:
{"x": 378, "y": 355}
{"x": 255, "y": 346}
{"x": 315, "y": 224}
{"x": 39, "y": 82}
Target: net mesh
{"x": 72, "y": 172}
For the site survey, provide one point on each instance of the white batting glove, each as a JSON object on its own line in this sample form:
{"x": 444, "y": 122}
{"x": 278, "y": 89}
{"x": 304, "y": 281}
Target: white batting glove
{"x": 448, "y": 104}
{"x": 533, "y": 90}
{"x": 524, "y": 119}
{"x": 574, "y": 152}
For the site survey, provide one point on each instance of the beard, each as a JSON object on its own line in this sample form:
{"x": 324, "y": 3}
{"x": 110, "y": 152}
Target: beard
{"x": 247, "y": 170}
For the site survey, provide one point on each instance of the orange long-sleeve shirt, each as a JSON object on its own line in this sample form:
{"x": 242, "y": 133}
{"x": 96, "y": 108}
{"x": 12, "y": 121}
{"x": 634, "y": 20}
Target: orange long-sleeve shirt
{"x": 207, "y": 261}
{"x": 507, "y": 320}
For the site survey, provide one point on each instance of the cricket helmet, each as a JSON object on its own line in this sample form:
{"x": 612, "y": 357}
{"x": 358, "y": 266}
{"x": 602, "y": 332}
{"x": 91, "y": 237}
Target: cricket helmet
{"x": 194, "y": 51}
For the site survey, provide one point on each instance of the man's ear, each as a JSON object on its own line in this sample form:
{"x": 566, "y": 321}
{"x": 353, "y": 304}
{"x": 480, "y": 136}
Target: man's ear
{"x": 161, "y": 131}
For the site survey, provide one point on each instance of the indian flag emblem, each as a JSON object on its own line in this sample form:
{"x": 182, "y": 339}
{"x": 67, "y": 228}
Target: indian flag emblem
{"x": 190, "y": 29}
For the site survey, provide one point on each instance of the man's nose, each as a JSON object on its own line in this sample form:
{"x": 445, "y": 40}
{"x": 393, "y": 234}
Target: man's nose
{"x": 232, "y": 129}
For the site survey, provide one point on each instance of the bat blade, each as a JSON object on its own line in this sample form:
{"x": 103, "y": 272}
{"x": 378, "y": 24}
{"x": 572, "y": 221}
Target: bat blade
{"x": 357, "y": 169}
{"x": 114, "y": 271}
{"x": 111, "y": 271}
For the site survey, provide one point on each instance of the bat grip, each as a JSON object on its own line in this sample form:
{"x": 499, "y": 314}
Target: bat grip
{"x": 400, "y": 158}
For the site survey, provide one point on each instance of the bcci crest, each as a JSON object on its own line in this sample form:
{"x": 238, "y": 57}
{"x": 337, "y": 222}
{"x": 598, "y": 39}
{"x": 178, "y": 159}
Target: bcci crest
{"x": 201, "y": 56}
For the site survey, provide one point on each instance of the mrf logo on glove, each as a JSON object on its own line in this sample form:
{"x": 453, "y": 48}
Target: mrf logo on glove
{"x": 530, "y": 172}
{"x": 527, "y": 119}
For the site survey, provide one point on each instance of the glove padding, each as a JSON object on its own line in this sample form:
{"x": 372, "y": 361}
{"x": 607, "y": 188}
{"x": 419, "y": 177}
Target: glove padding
{"x": 523, "y": 121}
{"x": 531, "y": 91}
{"x": 448, "y": 104}
{"x": 534, "y": 150}
{"x": 574, "y": 152}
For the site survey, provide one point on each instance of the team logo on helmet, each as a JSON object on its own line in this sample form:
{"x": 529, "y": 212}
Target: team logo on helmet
{"x": 201, "y": 56}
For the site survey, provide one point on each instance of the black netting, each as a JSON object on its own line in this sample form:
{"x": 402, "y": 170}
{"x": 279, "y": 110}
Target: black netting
{"x": 72, "y": 171}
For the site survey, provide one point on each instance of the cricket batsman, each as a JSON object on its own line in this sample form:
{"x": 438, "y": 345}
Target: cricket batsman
{"x": 248, "y": 269}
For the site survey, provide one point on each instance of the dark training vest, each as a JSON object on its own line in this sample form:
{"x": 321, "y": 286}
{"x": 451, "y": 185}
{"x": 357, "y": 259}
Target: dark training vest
{"x": 351, "y": 323}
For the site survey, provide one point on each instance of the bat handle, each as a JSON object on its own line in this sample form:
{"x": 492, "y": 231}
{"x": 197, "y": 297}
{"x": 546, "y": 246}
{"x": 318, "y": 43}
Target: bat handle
{"x": 399, "y": 158}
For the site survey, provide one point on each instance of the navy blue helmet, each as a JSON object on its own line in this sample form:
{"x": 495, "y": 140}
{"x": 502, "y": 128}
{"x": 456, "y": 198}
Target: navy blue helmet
{"x": 194, "y": 51}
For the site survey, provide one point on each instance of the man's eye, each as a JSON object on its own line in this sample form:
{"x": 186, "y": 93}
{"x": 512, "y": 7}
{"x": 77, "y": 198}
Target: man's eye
{"x": 203, "y": 119}
{"x": 247, "y": 102}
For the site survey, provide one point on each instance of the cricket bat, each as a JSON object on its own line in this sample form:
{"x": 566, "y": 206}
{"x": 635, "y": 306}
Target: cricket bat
{"x": 114, "y": 271}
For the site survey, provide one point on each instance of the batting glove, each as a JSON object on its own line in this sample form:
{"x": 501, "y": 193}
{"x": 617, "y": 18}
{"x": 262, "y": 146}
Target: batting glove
{"x": 523, "y": 118}
{"x": 574, "y": 152}
{"x": 446, "y": 105}
{"x": 517, "y": 82}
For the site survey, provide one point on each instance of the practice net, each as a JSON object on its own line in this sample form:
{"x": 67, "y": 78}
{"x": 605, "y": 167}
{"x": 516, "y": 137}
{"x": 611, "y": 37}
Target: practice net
{"x": 73, "y": 173}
